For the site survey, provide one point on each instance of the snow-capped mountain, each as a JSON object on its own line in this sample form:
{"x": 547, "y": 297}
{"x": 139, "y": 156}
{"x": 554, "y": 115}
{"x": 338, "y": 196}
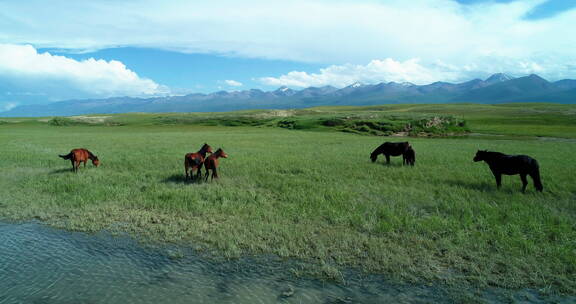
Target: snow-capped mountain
{"x": 497, "y": 88}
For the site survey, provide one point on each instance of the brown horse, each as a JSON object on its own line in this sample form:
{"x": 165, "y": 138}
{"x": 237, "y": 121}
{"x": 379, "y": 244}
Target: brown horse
{"x": 211, "y": 163}
{"x": 77, "y": 156}
{"x": 194, "y": 161}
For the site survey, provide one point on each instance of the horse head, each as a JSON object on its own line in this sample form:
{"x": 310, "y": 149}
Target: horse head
{"x": 373, "y": 156}
{"x": 221, "y": 153}
{"x": 96, "y": 161}
{"x": 480, "y": 155}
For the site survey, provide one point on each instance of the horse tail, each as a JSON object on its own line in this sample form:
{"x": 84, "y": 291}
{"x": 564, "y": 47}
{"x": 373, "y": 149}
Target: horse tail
{"x": 536, "y": 177}
{"x": 67, "y": 156}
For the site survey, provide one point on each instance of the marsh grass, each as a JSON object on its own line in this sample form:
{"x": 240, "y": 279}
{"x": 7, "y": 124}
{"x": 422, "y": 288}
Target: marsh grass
{"x": 314, "y": 196}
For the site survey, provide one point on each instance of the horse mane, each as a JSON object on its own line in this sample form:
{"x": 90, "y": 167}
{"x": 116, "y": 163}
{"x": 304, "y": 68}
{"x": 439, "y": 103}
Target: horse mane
{"x": 204, "y": 148}
{"x": 90, "y": 155}
{"x": 494, "y": 153}
{"x": 379, "y": 149}
{"x": 490, "y": 155}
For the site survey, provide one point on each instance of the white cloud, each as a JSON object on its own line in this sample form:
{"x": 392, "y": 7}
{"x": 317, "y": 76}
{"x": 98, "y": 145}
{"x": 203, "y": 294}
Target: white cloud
{"x": 321, "y": 30}
{"x": 233, "y": 83}
{"x": 341, "y": 33}
{"x": 7, "y": 105}
{"x": 414, "y": 71}
{"x": 30, "y": 73}
{"x": 375, "y": 71}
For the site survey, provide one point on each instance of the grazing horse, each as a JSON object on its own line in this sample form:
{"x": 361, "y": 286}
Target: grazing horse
{"x": 390, "y": 149}
{"x": 409, "y": 156}
{"x": 194, "y": 161}
{"x": 211, "y": 163}
{"x": 77, "y": 156}
{"x": 501, "y": 163}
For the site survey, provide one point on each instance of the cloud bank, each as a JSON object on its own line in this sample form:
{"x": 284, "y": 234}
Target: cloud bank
{"x": 375, "y": 71}
{"x": 414, "y": 71}
{"x": 319, "y": 31}
{"x": 417, "y": 41}
{"x": 27, "y": 74}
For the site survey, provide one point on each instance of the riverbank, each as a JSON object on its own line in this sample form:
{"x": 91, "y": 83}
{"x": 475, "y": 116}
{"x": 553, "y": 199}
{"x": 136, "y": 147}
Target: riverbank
{"x": 311, "y": 196}
{"x": 100, "y": 268}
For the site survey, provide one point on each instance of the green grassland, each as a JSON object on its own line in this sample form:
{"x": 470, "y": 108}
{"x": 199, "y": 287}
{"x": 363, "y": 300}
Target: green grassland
{"x": 308, "y": 190}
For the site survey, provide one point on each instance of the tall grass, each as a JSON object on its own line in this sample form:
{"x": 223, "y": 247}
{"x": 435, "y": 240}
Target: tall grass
{"x": 309, "y": 195}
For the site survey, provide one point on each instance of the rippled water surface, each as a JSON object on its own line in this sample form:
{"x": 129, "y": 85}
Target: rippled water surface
{"x": 44, "y": 265}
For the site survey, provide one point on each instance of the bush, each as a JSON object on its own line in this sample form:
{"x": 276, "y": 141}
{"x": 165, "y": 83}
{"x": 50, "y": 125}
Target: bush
{"x": 287, "y": 124}
{"x": 333, "y": 122}
{"x": 61, "y": 121}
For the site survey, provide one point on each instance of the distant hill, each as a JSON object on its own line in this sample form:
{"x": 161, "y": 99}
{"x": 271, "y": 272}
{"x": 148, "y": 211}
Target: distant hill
{"x": 498, "y": 88}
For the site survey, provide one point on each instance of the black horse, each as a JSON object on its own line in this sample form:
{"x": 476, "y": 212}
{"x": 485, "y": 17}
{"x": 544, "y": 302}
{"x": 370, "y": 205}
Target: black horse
{"x": 409, "y": 156}
{"x": 501, "y": 163}
{"x": 390, "y": 149}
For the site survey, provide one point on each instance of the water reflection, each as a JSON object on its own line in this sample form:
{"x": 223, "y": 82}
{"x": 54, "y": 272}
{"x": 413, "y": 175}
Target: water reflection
{"x": 43, "y": 265}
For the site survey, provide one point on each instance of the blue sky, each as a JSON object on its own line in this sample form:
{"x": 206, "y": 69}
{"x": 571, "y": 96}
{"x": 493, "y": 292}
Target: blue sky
{"x": 99, "y": 49}
{"x": 195, "y": 72}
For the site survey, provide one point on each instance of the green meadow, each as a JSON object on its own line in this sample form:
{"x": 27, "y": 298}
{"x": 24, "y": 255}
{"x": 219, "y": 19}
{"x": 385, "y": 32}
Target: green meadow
{"x": 299, "y": 184}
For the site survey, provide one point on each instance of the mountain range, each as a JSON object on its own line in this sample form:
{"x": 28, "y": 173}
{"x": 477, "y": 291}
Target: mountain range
{"x": 498, "y": 88}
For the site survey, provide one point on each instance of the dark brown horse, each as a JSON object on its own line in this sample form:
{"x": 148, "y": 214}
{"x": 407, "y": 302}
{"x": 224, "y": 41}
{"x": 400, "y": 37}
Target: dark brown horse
{"x": 390, "y": 149}
{"x": 77, "y": 156}
{"x": 194, "y": 161}
{"x": 501, "y": 163}
{"x": 409, "y": 156}
{"x": 211, "y": 163}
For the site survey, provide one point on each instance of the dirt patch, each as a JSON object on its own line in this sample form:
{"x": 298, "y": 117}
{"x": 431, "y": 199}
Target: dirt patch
{"x": 90, "y": 119}
{"x": 400, "y": 134}
{"x": 277, "y": 113}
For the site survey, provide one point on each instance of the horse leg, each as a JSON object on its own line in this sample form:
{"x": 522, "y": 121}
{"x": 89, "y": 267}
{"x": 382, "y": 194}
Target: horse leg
{"x": 186, "y": 176}
{"x": 214, "y": 173}
{"x": 536, "y": 179}
{"x": 498, "y": 177}
{"x": 387, "y": 158}
{"x": 206, "y": 175}
{"x": 72, "y": 162}
{"x": 76, "y": 166}
{"x": 199, "y": 173}
{"x": 524, "y": 182}
{"x": 85, "y": 161}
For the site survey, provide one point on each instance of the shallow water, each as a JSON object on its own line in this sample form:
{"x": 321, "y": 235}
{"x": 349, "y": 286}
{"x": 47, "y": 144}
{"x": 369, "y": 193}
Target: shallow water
{"x": 39, "y": 264}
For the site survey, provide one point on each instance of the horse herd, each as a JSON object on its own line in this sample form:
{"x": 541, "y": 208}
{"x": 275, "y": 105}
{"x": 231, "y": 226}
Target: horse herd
{"x": 192, "y": 161}
{"x": 499, "y": 163}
